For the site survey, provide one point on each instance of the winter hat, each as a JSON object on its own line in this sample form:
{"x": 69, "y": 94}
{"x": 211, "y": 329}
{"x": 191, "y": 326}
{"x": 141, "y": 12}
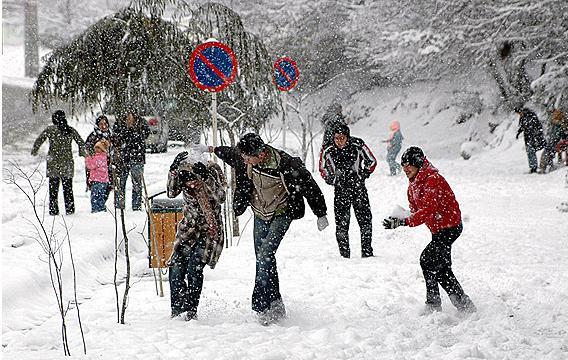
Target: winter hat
{"x": 251, "y": 144}
{"x": 394, "y": 125}
{"x": 102, "y": 144}
{"x": 342, "y": 129}
{"x": 413, "y": 156}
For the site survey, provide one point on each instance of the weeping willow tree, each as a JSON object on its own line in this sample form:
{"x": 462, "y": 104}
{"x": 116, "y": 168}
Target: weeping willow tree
{"x": 137, "y": 58}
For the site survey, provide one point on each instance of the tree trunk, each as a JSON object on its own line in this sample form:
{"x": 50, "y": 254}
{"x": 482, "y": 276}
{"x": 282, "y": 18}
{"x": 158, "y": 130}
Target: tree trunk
{"x": 31, "y": 56}
{"x": 127, "y": 280}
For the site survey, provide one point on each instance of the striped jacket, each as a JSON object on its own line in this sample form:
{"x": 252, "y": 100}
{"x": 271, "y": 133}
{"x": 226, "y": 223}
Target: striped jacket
{"x": 352, "y": 164}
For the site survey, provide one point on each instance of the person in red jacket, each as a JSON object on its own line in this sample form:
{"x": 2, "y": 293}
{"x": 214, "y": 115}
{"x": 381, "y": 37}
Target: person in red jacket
{"x": 432, "y": 202}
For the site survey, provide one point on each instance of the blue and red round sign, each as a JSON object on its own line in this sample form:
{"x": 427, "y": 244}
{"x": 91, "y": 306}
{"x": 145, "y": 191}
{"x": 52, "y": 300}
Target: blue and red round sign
{"x": 212, "y": 66}
{"x": 285, "y": 74}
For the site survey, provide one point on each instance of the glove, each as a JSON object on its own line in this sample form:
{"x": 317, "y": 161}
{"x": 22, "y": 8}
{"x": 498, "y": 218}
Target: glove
{"x": 393, "y": 223}
{"x": 201, "y": 148}
{"x": 179, "y": 158}
{"x": 322, "y": 223}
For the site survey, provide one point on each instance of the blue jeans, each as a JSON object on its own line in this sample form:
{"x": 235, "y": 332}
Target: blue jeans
{"x": 99, "y": 193}
{"x": 267, "y": 237}
{"x": 184, "y": 296}
{"x": 391, "y": 159}
{"x": 531, "y": 154}
{"x": 136, "y": 171}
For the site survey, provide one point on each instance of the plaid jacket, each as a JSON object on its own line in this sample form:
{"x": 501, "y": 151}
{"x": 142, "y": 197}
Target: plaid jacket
{"x": 195, "y": 224}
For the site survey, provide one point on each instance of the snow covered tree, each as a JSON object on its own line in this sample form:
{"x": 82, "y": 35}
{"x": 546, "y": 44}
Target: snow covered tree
{"x": 137, "y": 57}
{"x": 522, "y": 44}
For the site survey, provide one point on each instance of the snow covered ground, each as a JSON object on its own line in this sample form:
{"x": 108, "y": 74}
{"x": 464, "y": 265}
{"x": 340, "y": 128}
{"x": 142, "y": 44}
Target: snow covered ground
{"x": 512, "y": 260}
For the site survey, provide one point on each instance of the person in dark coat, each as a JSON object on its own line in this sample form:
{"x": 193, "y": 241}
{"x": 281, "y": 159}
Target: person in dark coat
{"x": 346, "y": 165}
{"x": 129, "y": 142}
{"x": 330, "y": 120}
{"x": 60, "y": 165}
{"x": 199, "y": 237}
{"x": 100, "y": 132}
{"x": 534, "y": 135}
{"x": 274, "y": 184}
{"x": 432, "y": 202}
{"x": 394, "y": 144}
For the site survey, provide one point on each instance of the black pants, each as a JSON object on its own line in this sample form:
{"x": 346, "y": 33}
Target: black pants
{"x": 186, "y": 278}
{"x": 345, "y": 197}
{"x": 67, "y": 184}
{"x": 436, "y": 263}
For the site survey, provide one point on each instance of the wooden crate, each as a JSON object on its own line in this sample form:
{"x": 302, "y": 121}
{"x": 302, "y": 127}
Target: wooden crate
{"x": 166, "y": 213}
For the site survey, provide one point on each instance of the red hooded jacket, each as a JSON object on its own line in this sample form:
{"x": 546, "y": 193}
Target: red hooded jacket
{"x": 432, "y": 201}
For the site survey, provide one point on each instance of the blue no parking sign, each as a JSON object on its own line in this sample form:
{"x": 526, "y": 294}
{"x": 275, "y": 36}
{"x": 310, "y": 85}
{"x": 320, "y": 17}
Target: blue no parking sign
{"x": 285, "y": 74}
{"x": 212, "y": 66}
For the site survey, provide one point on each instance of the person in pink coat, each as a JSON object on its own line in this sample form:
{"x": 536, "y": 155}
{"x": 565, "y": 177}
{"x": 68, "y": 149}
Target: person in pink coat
{"x": 97, "y": 164}
{"x": 394, "y": 144}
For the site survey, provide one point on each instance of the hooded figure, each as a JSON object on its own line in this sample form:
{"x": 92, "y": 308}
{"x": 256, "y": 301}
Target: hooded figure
{"x": 394, "y": 144}
{"x": 199, "y": 236}
{"x": 534, "y": 135}
{"x": 555, "y": 135}
{"x": 100, "y": 132}
{"x": 97, "y": 166}
{"x": 60, "y": 165}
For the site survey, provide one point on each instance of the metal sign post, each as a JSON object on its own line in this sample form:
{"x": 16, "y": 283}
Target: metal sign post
{"x": 214, "y": 117}
{"x": 284, "y": 108}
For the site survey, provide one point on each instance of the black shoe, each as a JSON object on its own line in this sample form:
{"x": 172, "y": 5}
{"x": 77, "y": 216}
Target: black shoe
{"x": 367, "y": 255}
{"x": 53, "y": 213}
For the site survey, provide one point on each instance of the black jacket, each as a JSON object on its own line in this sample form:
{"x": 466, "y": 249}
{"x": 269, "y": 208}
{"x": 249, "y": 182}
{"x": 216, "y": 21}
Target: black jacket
{"x": 347, "y": 167}
{"x": 130, "y": 143}
{"x": 531, "y": 126}
{"x": 297, "y": 178}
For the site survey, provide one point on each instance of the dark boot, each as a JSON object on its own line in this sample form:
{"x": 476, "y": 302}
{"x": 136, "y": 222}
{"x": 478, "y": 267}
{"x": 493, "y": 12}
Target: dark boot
{"x": 463, "y": 303}
{"x": 190, "y": 315}
{"x": 430, "y": 308}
